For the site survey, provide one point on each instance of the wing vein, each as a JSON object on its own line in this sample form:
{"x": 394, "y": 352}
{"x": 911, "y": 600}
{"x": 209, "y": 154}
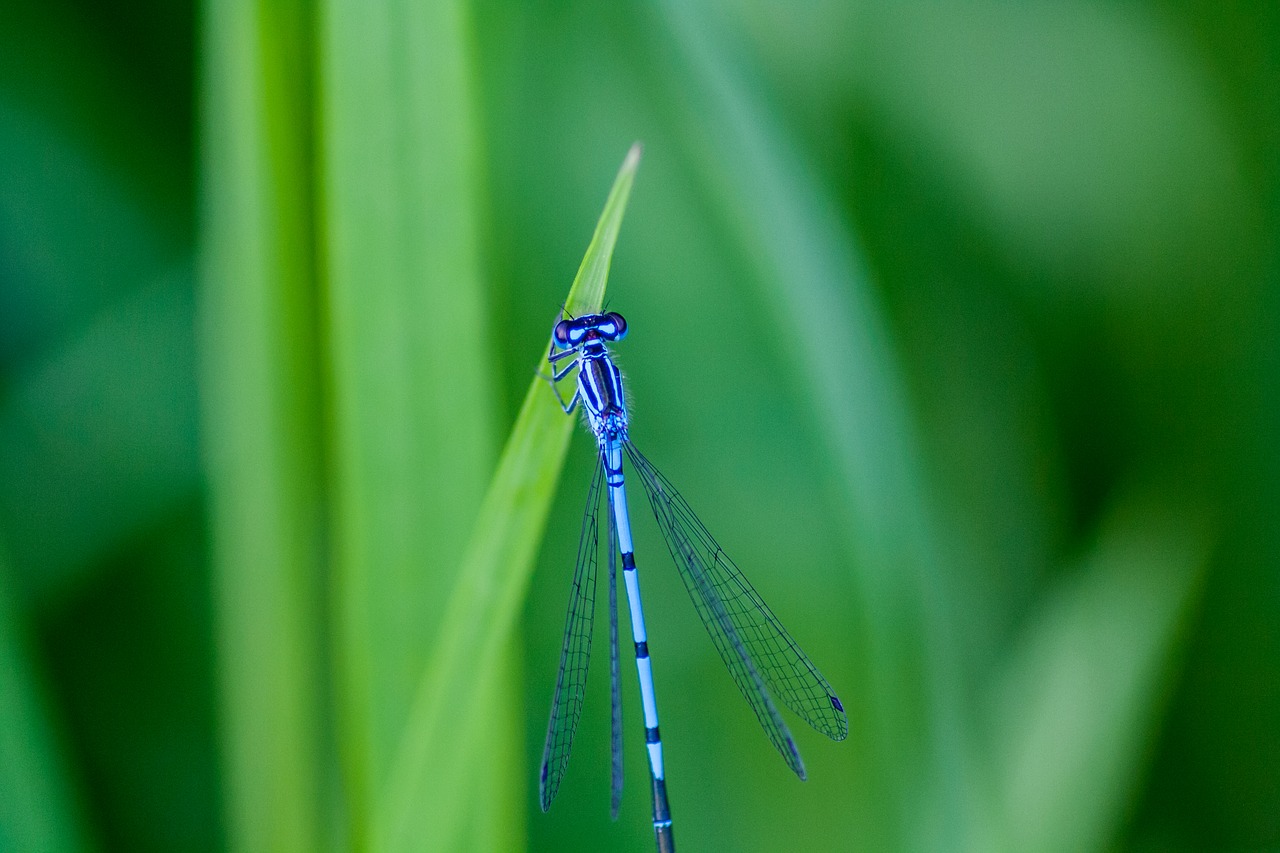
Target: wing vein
{"x": 761, "y": 656}
{"x": 575, "y": 652}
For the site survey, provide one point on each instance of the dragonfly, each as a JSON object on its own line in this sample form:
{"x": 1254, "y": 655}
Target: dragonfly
{"x": 767, "y": 665}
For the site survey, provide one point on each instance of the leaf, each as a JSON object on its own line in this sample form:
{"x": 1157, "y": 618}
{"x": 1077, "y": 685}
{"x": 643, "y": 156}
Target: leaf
{"x": 1081, "y": 694}
{"x": 413, "y": 402}
{"x": 261, "y": 382}
{"x": 38, "y": 809}
{"x": 98, "y": 439}
{"x": 811, "y": 274}
{"x": 434, "y": 773}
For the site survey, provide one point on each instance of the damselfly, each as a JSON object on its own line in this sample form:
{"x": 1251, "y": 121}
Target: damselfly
{"x": 761, "y": 656}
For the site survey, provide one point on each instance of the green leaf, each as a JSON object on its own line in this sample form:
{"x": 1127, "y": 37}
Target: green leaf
{"x": 811, "y": 274}
{"x": 262, "y": 379}
{"x": 98, "y": 439}
{"x": 38, "y": 809}
{"x": 95, "y": 304}
{"x": 413, "y": 397}
{"x": 436, "y": 765}
{"x": 1081, "y": 694}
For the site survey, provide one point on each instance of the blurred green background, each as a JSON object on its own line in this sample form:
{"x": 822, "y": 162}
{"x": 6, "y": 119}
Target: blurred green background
{"x": 955, "y": 321}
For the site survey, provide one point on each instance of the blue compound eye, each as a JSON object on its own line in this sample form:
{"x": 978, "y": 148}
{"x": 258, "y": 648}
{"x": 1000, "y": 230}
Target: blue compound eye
{"x": 560, "y": 334}
{"x": 614, "y": 326}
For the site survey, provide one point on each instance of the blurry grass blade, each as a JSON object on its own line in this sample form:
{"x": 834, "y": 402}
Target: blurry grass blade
{"x": 95, "y": 184}
{"x": 97, "y": 442}
{"x": 125, "y": 109}
{"x": 97, "y": 426}
{"x": 414, "y": 402}
{"x": 38, "y": 810}
{"x": 1083, "y": 691}
{"x": 812, "y": 276}
{"x": 501, "y": 824}
{"x": 429, "y": 785}
{"x": 262, "y": 417}
{"x": 74, "y": 237}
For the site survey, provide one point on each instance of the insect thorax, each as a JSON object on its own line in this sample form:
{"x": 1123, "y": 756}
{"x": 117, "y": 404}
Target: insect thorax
{"x": 600, "y": 384}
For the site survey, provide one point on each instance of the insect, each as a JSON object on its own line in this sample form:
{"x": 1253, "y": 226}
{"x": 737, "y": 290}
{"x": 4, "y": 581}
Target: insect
{"x": 765, "y": 662}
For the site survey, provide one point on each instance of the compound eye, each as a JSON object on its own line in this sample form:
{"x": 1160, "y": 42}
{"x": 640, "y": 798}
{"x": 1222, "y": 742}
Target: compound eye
{"x": 560, "y": 334}
{"x": 619, "y": 330}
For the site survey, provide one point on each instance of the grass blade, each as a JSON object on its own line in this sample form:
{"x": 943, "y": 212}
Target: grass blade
{"x": 434, "y": 768}
{"x": 38, "y": 809}
{"x": 1080, "y": 694}
{"x": 262, "y": 417}
{"x": 813, "y": 277}
{"x": 98, "y": 438}
{"x": 413, "y": 395}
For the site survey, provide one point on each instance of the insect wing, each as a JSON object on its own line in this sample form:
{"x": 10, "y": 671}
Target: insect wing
{"x": 615, "y": 674}
{"x": 575, "y": 654}
{"x": 757, "y": 650}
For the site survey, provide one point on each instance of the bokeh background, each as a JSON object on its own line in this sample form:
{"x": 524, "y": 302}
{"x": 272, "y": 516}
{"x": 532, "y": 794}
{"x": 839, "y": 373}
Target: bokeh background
{"x": 955, "y": 321}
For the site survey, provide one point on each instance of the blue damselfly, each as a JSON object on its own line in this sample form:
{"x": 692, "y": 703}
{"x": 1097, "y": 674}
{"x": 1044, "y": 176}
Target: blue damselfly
{"x": 761, "y": 656}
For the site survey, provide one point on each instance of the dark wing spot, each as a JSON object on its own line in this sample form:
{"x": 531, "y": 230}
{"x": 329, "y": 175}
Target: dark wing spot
{"x": 835, "y": 703}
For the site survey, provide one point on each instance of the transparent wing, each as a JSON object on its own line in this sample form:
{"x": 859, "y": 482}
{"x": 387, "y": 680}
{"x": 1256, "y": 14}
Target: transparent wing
{"x": 575, "y": 654}
{"x": 615, "y": 673}
{"x": 761, "y": 656}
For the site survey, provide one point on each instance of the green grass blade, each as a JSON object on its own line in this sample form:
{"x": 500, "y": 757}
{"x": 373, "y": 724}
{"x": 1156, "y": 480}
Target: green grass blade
{"x": 262, "y": 418}
{"x": 813, "y": 278}
{"x": 1081, "y": 693}
{"x": 98, "y": 439}
{"x": 88, "y": 234}
{"x": 414, "y": 398}
{"x": 496, "y": 805}
{"x": 38, "y": 808}
{"x": 435, "y": 770}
